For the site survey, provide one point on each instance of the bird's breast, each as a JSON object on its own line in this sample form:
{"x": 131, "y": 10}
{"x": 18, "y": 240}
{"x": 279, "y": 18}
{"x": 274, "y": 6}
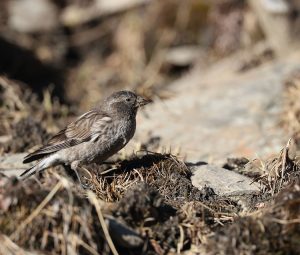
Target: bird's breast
{"x": 125, "y": 130}
{"x": 117, "y": 135}
{"x": 109, "y": 142}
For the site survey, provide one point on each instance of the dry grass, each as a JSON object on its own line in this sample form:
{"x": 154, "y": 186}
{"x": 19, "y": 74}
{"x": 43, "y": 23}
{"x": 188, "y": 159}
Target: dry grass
{"x": 291, "y": 110}
{"x": 274, "y": 226}
{"x": 25, "y": 121}
{"x": 147, "y": 167}
{"x": 54, "y": 218}
{"x": 12, "y": 107}
{"x": 280, "y": 171}
{"x": 274, "y": 230}
{"x": 152, "y": 195}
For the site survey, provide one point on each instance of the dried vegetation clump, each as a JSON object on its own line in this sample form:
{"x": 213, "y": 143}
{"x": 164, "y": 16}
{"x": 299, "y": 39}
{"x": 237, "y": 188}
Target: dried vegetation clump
{"x": 50, "y": 218}
{"x": 164, "y": 172}
{"x": 27, "y": 120}
{"x": 26, "y": 133}
{"x": 59, "y": 216}
{"x": 280, "y": 171}
{"x": 149, "y": 206}
{"x": 273, "y": 230}
{"x": 274, "y": 225}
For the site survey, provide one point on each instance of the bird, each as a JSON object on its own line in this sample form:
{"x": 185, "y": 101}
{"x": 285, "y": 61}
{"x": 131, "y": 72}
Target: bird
{"x": 93, "y": 137}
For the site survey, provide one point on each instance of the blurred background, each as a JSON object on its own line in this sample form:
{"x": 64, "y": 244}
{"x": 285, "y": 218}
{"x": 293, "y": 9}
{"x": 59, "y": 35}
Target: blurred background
{"x": 60, "y": 57}
{"x": 224, "y": 76}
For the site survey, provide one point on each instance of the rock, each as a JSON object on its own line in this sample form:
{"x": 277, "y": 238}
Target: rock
{"x": 218, "y": 113}
{"x": 31, "y": 16}
{"x": 276, "y": 6}
{"x": 123, "y": 235}
{"x": 12, "y": 164}
{"x": 222, "y": 181}
{"x": 182, "y": 56}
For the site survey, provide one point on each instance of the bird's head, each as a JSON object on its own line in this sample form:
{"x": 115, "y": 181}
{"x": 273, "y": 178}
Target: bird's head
{"x": 125, "y": 102}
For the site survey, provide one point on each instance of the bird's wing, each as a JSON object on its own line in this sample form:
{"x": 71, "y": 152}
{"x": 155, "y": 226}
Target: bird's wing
{"x": 88, "y": 127}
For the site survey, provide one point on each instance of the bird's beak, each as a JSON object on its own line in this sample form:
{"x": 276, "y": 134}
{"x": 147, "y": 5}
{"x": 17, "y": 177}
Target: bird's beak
{"x": 142, "y": 101}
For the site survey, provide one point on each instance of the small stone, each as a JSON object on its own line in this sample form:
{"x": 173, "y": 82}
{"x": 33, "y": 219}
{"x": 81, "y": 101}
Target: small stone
{"x": 222, "y": 181}
{"x": 182, "y": 56}
{"x": 122, "y": 234}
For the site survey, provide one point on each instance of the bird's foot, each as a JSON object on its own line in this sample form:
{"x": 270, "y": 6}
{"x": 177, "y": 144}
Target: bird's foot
{"x": 75, "y": 167}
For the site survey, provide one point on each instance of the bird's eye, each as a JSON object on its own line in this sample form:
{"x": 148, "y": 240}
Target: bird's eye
{"x": 128, "y": 99}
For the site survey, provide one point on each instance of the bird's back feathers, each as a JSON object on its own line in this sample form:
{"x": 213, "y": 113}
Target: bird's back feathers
{"x": 87, "y": 127}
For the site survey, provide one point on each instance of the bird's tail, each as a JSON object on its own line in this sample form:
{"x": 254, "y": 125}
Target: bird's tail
{"x": 40, "y": 166}
{"x": 28, "y": 172}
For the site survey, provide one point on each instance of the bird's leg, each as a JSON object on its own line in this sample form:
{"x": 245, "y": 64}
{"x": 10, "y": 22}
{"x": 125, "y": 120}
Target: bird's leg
{"x": 87, "y": 174}
{"x": 75, "y": 166}
{"x": 110, "y": 162}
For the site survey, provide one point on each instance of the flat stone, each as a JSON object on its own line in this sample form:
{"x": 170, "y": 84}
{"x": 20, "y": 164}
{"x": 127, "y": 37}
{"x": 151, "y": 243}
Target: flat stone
{"x": 12, "y": 164}
{"x": 122, "y": 234}
{"x": 219, "y": 112}
{"x": 223, "y": 181}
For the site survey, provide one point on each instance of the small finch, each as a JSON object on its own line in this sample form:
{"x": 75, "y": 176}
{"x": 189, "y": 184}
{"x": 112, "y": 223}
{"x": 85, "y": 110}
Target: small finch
{"x": 93, "y": 137}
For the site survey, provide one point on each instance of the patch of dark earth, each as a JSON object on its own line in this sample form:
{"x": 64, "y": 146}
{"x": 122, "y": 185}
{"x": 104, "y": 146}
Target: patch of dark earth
{"x": 25, "y": 134}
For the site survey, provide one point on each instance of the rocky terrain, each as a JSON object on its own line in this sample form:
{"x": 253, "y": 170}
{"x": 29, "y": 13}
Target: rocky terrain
{"x": 214, "y": 165}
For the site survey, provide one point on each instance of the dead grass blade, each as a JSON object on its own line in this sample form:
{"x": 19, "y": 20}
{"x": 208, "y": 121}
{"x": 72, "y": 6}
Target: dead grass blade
{"x": 93, "y": 199}
{"x": 35, "y": 213}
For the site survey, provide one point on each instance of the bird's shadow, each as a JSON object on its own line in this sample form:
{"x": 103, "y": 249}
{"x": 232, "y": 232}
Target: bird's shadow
{"x": 138, "y": 161}
{"x": 144, "y": 159}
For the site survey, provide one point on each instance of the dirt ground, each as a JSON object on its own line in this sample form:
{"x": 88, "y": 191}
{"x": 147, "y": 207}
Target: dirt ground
{"x": 143, "y": 203}
{"x": 151, "y": 207}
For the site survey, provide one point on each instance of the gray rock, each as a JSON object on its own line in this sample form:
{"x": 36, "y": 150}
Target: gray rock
{"x": 223, "y": 181}
{"x": 11, "y": 164}
{"x": 217, "y": 113}
{"x": 122, "y": 234}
